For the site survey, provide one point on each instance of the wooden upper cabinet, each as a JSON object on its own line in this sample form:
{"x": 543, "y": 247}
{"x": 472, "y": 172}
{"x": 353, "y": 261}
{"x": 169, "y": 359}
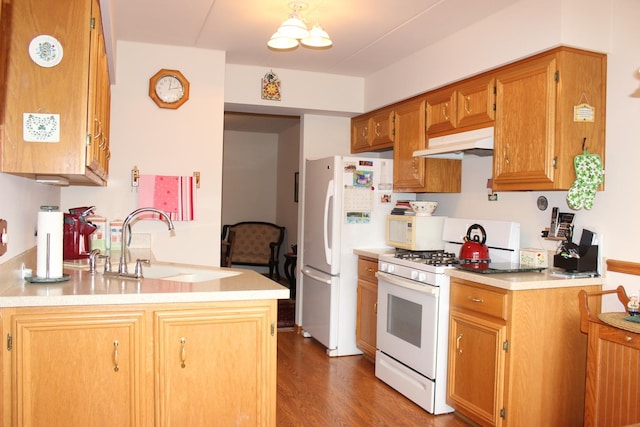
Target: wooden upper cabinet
{"x": 537, "y": 133}
{"x": 461, "y": 106}
{"x": 56, "y": 104}
{"x": 360, "y": 134}
{"x": 416, "y": 174}
{"x": 476, "y": 102}
{"x": 373, "y": 131}
{"x": 545, "y": 110}
{"x": 441, "y": 110}
{"x": 382, "y": 131}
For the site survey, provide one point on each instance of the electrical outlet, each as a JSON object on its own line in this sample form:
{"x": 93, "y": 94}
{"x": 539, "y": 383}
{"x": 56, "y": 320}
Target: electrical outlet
{"x": 493, "y": 197}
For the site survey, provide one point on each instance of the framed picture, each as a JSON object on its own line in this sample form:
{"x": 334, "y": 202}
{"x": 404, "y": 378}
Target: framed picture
{"x": 296, "y": 186}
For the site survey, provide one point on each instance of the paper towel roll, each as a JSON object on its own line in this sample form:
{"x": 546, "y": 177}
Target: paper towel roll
{"x": 49, "y": 244}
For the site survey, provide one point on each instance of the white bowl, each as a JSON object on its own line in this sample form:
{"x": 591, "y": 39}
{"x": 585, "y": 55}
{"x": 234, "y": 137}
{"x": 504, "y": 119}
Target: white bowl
{"x": 423, "y": 208}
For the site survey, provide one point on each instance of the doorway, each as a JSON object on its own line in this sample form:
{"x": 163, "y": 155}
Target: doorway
{"x": 260, "y": 160}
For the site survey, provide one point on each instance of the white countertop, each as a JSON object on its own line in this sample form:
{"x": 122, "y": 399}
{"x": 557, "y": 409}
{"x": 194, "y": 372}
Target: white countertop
{"x": 373, "y": 252}
{"x": 84, "y": 288}
{"x": 524, "y": 281}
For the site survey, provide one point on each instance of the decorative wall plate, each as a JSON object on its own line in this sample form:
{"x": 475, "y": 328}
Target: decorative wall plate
{"x": 271, "y": 86}
{"x": 46, "y": 51}
{"x": 41, "y": 127}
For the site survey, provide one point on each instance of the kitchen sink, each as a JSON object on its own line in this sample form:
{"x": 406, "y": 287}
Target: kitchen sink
{"x": 183, "y": 274}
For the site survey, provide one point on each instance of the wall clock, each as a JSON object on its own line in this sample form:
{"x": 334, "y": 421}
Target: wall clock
{"x": 169, "y": 88}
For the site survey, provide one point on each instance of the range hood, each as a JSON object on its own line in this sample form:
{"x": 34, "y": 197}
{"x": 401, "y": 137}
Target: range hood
{"x": 478, "y": 142}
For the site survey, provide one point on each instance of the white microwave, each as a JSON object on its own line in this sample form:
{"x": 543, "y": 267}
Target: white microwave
{"x": 415, "y": 233}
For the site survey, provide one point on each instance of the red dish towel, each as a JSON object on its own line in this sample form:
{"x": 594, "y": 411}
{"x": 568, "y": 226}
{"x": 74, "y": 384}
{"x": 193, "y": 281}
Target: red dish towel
{"x": 175, "y": 195}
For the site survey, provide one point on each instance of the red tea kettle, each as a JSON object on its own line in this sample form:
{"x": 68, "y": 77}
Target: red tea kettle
{"x": 474, "y": 252}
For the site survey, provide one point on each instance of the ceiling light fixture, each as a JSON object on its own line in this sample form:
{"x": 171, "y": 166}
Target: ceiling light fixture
{"x": 293, "y": 31}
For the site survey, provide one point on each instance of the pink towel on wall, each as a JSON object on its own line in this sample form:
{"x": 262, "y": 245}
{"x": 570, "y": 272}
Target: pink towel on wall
{"x": 175, "y": 195}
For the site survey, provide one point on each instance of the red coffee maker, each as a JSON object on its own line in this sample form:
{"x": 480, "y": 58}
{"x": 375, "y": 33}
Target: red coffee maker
{"x": 76, "y": 233}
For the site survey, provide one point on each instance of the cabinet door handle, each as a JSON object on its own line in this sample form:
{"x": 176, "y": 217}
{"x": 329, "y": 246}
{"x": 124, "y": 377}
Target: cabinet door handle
{"x": 445, "y": 110}
{"x": 377, "y": 129}
{"x": 375, "y": 308}
{"x": 475, "y": 299}
{"x": 506, "y": 153}
{"x": 458, "y": 343}
{"x": 116, "y": 358}
{"x": 467, "y": 107}
{"x": 183, "y": 352}
{"x": 99, "y": 123}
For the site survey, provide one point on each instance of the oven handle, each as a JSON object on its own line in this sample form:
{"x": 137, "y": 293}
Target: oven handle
{"x": 409, "y": 284}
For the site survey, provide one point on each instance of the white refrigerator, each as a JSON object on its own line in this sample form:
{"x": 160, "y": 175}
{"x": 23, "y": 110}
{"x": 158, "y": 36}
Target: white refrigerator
{"x": 346, "y": 201}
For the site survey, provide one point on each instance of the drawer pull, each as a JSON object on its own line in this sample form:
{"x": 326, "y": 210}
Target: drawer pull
{"x": 475, "y": 299}
{"x": 627, "y": 338}
{"x": 370, "y": 270}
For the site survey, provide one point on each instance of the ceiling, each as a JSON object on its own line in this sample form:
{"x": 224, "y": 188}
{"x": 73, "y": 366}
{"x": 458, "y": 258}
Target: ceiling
{"x": 367, "y": 34}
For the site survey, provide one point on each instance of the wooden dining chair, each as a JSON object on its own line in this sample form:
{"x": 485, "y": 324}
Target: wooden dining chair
{"x": 226, "y": 249}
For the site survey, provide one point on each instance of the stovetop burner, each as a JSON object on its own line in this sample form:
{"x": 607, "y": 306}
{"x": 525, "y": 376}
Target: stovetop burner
{"x": 427, "y": 257}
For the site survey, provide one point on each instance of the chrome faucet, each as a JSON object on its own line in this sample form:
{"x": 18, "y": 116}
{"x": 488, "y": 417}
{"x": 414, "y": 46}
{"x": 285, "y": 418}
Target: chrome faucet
{"x": 122, "y": 267}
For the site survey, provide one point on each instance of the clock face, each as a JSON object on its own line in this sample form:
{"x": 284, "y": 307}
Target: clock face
{"x": 169, "y": 89}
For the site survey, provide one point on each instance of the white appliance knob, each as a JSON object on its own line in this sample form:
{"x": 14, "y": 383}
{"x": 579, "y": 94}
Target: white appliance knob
{"x": 414, "y": 275}
{"x": 391, "y": 268}
{"x": 422, "y": 277}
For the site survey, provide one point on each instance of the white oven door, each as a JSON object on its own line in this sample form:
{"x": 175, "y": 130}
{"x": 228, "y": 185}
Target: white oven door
{"x": 407, "y": 322}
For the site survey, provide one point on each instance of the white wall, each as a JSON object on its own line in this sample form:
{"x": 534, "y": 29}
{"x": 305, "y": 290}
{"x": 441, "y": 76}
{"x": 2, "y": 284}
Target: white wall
{"x": 249, "y": 170}
{"x": 165, "y": 142}
{"x": 301, "y": 91}
{"x": 287, "y": 208}
{"x": 21, "y": 201}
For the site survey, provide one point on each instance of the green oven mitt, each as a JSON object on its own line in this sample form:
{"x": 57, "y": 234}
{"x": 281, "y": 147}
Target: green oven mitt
{"x": 589, "y": 174}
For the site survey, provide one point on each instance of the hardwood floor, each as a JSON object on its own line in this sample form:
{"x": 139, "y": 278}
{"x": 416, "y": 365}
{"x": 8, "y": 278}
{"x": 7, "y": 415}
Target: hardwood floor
{"x": 317, "y": 390}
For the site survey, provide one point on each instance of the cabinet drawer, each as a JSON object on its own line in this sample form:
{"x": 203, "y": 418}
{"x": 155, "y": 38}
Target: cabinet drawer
{"x": 481, "y": 300}
{"x": 619, "y": 336}
{"x": 367, "y": 269}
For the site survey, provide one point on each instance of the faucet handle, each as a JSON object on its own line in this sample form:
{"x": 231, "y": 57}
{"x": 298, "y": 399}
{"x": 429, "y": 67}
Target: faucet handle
{"x": 138, "y": 270}
{"x": 107, "y": 263}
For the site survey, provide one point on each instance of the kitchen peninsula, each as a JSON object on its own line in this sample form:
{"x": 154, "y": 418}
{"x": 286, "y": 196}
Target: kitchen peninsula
{"x": 139, "y": 352}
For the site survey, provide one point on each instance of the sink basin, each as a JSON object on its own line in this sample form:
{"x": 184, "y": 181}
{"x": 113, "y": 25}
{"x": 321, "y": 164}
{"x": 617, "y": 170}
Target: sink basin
{"x": 183, "y": 274}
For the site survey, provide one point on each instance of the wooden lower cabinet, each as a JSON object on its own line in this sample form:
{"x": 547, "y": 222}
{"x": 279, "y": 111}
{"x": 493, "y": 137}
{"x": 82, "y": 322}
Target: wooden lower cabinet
{"x": 75, "y": 369}
{"x": 613, "y": 357}
{"x": 516, "y": 358}
{"x": 140, "y": 365}
{"x": 367, "y": 306}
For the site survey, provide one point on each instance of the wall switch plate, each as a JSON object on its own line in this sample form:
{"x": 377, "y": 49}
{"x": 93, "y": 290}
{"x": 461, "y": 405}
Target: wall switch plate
{"x": 4, "y": 236}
